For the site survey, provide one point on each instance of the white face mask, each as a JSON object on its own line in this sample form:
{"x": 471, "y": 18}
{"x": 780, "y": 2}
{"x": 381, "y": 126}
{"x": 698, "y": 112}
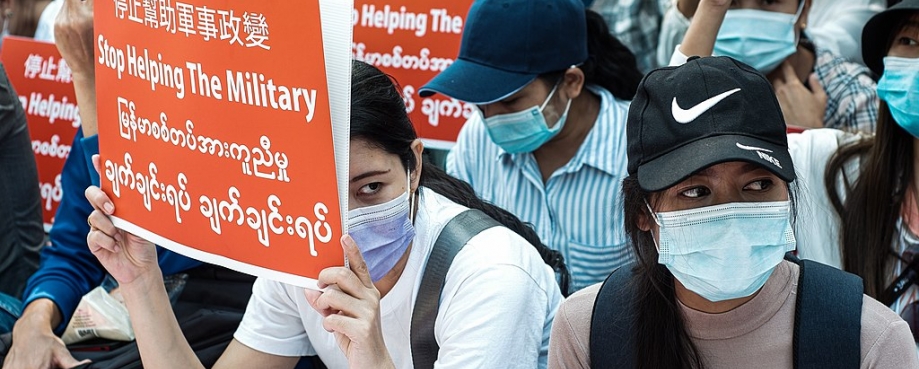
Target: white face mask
{"x": 763, "y": 39}
{"x": 725, "y": 251}
{"x": 525, "y": 130}
{"x": 383, "y": 232}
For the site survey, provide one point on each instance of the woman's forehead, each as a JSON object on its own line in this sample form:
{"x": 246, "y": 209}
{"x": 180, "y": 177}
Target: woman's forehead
{"x": 729, "y": 169}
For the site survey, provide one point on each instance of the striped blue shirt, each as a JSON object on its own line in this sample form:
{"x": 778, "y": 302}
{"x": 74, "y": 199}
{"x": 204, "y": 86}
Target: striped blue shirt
{"x": 578, "y": 211}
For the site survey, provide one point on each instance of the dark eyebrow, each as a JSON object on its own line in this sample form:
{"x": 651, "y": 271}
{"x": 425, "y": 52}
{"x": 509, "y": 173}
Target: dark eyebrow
{"x": 369, "y": 174}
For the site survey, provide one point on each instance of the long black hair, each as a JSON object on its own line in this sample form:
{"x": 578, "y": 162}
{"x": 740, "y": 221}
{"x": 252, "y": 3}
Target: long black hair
{"x": 874, "y": 202}
{"x": 660, "y": 336}
{"x": 378, "y": 116}
{"x": 609, "y": 64}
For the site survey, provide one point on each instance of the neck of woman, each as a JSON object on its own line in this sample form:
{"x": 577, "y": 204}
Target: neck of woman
{"x": 693, "y": 301}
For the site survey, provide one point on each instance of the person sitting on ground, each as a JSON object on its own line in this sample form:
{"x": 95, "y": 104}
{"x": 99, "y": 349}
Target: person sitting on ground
{"x": 710, "y": 204}
{"x": 552, "y": 88}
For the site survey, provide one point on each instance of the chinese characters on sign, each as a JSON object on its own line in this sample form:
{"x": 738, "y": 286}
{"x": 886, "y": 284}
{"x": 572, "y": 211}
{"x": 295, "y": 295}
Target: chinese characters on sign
{"x": 219, "y": 133}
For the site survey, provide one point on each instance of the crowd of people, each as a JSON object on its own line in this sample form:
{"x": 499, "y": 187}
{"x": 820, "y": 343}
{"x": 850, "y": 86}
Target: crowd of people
{"x": 729, "y": 183}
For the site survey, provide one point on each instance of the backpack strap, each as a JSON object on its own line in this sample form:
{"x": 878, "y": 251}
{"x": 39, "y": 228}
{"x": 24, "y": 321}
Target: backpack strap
{"x": 613, "y": 321}
{"x": 451, "y": 240}
{"x": 828, "y": 315}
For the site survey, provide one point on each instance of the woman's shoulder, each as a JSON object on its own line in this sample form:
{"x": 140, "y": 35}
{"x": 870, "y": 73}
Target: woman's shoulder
{"x": 886, "y": 339}
{"x": 571, "y": 328}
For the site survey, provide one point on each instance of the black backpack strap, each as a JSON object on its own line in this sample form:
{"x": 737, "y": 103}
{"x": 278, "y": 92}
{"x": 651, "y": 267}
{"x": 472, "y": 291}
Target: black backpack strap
{"x": 451, "y": 240}
{"x": 612, "y": 322}
{"x": 828, "y": 316}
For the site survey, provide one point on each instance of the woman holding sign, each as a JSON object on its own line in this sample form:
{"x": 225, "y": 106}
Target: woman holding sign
{"x": 499, "y": 297}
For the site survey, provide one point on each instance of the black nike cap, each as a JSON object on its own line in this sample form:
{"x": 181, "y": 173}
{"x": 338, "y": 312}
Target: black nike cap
{"x": 708, "y": 111}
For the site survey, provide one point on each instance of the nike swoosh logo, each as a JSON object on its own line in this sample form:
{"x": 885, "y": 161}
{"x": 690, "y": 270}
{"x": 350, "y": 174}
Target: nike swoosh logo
{"x": 684, "y": 116}
{"x": 751, "y": 148}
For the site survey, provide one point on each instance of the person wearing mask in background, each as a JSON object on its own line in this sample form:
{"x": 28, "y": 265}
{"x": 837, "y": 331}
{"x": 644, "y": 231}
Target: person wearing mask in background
{"x": 863, "y": 189}
{"x": 552, "y": 86}
{"x": 815, "y": 86}
{"x": 709, "y": 203}
{"x": 832, "y": 24}
{"x": 637, "y": 24}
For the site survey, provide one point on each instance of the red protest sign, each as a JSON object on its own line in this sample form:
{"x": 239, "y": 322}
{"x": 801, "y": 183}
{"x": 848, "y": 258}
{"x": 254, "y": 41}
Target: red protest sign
{"x": 216, "y": 128}
{"x": 414, "y": 40}
{"x": 42, "y": 80}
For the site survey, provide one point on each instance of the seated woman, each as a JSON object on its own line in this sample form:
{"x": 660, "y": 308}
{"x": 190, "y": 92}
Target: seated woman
{"x": 815, "y": 87}
{"x": 498, "y": 300}
{"x": 709, "y": 206}
{"x": 863, "y": 190}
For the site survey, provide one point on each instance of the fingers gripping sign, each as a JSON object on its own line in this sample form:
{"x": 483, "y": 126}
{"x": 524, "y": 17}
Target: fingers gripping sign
{"x": 124, "y": 256}
{"x": 350, "y": 305}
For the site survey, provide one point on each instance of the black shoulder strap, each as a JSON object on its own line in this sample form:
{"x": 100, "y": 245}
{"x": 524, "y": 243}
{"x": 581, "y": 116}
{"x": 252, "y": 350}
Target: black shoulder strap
{"x": 828, "y": 316}
{"x": 451, "y": 240}
{"x": 612, "y": 322}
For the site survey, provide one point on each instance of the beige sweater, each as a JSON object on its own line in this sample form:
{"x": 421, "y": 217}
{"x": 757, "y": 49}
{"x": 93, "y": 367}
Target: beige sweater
{"x": 756, "y": 334}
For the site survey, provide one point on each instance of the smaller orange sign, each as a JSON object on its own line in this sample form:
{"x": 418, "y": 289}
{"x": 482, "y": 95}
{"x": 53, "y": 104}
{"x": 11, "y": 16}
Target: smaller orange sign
{"x": 413, "y": 41}
{"x": 42, "y": 80}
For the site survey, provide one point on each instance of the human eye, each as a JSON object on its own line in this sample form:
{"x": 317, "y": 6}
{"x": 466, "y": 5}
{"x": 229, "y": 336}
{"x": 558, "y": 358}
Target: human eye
{"x": 695, "y": 192}
{"x": 370, "y": 188}
{"x": 907, "y": 41}
{"x": 759, "y": 185}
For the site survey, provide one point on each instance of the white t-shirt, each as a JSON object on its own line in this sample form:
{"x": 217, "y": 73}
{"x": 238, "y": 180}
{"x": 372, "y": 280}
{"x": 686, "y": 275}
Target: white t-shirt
{"x": 45, "y": 29}
{"x": 817, "y": 223}
{"x": 496, "y": 311}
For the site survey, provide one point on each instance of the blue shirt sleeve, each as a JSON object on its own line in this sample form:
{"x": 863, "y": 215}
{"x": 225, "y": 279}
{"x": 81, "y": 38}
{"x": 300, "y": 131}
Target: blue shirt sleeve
{"x": 68, "y": 269}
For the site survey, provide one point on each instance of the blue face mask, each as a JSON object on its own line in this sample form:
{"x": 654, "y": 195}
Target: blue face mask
{"x": 383, "y": 232}
{"x": 759, "y": 38}
{"x": 725, "y": 251}
{"x": 524, "y": 131}
{"x": 899, "y": 87}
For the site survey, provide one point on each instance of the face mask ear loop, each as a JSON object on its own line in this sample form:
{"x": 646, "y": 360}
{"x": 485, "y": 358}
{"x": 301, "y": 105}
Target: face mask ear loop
{"x": 797, "y": 18}
{"x": 551, "y": 93}
{"x": 411, "y": 199}
{"x": 653, "y": 215}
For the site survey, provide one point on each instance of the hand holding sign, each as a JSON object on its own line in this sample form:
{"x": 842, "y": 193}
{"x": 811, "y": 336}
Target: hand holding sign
{"x": 73, "y": 30}
{"x": 124, "y": 255}
{"x": 351, "y": 307}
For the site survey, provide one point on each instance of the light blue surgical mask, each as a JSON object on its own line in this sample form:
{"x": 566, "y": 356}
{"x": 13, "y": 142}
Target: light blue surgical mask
{"x": 526, "y": 130}
{"x": 383, "y": 232}
{"x": 759, "y": 38}
{"x": 725, "y": 251}
{"x": 899, "y": 87}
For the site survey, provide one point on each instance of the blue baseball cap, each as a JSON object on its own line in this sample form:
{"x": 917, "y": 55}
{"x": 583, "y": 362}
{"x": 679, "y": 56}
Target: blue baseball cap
{"x": 506, "y": 44}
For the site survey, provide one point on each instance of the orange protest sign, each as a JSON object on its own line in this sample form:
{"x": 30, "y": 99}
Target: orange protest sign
{"x": 223, "y": 128}
{"x": 42, "y": 80}
{"x": 414, "y": 40}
